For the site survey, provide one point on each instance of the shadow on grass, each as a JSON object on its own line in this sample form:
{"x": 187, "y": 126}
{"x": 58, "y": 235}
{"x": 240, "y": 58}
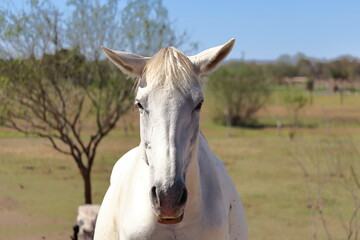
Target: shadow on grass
{"x": 258, "y": 125}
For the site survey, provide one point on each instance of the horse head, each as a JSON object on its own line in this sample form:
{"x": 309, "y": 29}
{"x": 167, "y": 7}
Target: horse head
{"x": 169, "y": 98}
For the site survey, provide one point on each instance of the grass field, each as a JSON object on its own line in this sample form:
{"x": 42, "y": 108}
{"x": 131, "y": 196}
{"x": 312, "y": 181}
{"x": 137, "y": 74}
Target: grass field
{"x": 40, "y": 189}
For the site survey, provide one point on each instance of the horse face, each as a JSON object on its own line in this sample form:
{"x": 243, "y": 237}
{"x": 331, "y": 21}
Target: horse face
{"x": 169, "y": 124}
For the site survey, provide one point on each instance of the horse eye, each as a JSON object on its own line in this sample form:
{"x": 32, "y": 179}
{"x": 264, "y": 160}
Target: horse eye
{"x": 139, "y": 105}
{"x": 198, "y": 107}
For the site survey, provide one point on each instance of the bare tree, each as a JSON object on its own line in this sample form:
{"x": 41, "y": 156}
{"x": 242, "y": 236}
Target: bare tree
{"x": 146, "y": 28}
{"x": 51, "y": 92}
{"x": 330, "y": 166}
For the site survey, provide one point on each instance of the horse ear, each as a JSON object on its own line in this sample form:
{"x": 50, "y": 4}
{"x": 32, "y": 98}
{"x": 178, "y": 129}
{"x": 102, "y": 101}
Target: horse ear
{"x": 129, "y": 63}
{"x": 207, "y": 60}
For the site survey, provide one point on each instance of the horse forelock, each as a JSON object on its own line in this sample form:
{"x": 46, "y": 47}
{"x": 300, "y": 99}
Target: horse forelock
{"x": 169, "y": 67}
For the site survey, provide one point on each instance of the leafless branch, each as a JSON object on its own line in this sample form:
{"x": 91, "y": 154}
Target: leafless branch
{"x": 352, "y": 218}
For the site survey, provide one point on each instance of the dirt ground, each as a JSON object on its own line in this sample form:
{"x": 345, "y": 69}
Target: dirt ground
{"x": 15, "y": 225}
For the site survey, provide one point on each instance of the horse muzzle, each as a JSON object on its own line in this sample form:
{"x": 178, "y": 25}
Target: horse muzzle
{"x": 169, "y": 204}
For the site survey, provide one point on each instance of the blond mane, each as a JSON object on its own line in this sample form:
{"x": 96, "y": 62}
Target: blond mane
{"x": 169, "y": 67}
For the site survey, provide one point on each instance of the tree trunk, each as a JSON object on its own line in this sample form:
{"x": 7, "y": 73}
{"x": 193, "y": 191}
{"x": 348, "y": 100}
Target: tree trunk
{"x": 341, "y": 92}
{"x": 87, "y": 185}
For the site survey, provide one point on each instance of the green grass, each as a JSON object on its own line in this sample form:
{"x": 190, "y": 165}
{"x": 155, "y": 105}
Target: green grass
{"x": 40, "y": 189}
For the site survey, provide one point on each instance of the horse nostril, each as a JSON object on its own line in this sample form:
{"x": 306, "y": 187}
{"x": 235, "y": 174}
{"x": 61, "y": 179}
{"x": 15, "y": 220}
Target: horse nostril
{"x": 154, "y": 196}
{"x": 183, "y": 198}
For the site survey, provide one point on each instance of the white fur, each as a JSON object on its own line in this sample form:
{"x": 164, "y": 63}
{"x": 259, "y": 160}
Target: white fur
{"x": 172, "y": 149}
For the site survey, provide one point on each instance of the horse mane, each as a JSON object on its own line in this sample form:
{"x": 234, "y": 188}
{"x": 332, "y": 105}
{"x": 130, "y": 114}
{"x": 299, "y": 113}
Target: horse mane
{"x": 169, "y": 67}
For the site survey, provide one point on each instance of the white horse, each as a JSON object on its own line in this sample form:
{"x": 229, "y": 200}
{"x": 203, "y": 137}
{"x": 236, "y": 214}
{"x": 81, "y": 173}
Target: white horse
{"x": 171, "y": 186}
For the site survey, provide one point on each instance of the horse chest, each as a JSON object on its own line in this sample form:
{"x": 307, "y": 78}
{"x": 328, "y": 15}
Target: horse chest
{"x": 141, "y": 225}
{"x": 155, "y": 231}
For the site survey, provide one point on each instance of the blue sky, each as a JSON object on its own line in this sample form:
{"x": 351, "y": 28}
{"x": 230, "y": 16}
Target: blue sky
{"x": 265, "y": 29}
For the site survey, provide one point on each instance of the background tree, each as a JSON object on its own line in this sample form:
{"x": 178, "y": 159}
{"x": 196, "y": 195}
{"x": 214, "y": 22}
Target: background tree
{"x": 283, "y": 67}
{"x": 340, "y": 74}
{"x": 295, "y": 102}
{"x": 240, "y": 90}
{"x": 146, "y": 28}
{"x": 54, "y": 81}
{"x": 310, "y": 87}
{"x": 305, "y": 66}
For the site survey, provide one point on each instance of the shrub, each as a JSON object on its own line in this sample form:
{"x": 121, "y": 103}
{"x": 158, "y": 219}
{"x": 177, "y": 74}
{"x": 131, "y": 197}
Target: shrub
{"x": 240, "y": 90}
